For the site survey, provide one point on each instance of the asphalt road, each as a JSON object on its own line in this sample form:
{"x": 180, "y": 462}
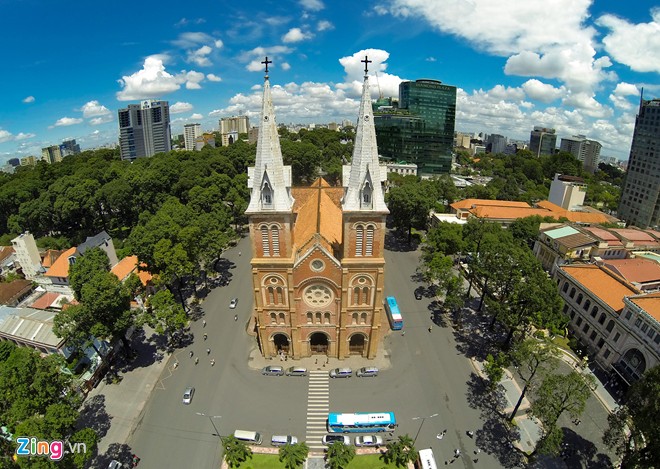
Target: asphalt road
{"x": 427, "y": 377}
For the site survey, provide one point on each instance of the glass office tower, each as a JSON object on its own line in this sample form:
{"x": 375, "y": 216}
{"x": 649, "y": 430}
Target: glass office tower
{"x": 421, "y": 129}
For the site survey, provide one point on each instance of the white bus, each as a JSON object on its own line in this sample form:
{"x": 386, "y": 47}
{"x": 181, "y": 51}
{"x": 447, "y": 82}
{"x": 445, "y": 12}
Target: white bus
{"x": 426, "y": 459}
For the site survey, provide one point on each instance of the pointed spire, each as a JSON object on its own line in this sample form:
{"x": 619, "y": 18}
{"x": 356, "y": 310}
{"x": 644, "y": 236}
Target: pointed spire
{"x": 271, "y": 180}
{"x": 364, "y": 191}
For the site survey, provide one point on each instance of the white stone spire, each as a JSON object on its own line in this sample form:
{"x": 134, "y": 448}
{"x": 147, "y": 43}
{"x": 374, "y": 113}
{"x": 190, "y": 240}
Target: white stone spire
{"x": 363, "y": 190}
{"x": 269, "y": 180}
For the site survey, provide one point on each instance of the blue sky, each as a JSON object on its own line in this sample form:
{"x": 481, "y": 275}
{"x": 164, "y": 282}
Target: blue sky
{"x": 575, "y": 65}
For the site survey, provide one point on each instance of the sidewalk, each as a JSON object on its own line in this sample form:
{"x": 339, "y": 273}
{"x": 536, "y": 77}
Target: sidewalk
{"x": 124, "y": 402}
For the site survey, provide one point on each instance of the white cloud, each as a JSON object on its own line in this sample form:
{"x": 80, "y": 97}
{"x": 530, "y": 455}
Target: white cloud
{"x": 218, "y": 43}
{"x": 200, "y": 56}
{"x": 180, "y": 107}
{"x": 285, "y": 66}
{"x": 540, "y": 91}
{"x": 431, "y": 59}
{"x": 635, "y": 45}
{"x": 101, "y": 120}
{"x": 29, "y": 99}
{"x": 587, "y": 104}
{"x": 255, "y": 66}
{"x": 150, "y": 82}
{"x": 254, "y": 57}
{"x": 66, "y": 121}
{"x": 295, "y": 35}
{"x": 354, "y": 69}
{"x": 213, "y": 77}
{"x": 154, "y": 81}
{"x": 24, "y": 136}
{"x": 312, "y": 5}
{"x": 520, "y": 31}
{"x": 94, "y": 109}
{"x": 196, "y": 116}
{"x": 5, "y": 136}
{"x": 324, "y": 25}
{"x": 191, "y": 40}
{"x": 620, "y": 94}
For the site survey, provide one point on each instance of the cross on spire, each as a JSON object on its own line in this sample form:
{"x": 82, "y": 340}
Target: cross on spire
{"x": 266, "y": 62}
{"x": 366, "y": 62}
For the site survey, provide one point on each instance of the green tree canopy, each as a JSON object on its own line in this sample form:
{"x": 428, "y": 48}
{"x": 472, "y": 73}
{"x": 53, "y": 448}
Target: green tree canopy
{"x": 94, "y": 261}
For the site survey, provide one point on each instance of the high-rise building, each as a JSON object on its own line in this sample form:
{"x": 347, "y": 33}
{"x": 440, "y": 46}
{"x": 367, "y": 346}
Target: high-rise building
{"x": 231, "y": 127}
{"x": 567, "y": 191}
{"x": 27, "y": 254}
{"x": 542, "y": 141}
{"x": 51, "y": 154}
{"x": 190, "y": 133}
{"x": 421, "y": 129}
{"x": 203, "y": 140}
{"x": 585, "y": 150}
{"x": 28, "y": 161}
{"x": 496, "y": 143}
{"x": 144, "y": 129}
{"x": 69, "y": 147}
{"x": 640, "y": 198}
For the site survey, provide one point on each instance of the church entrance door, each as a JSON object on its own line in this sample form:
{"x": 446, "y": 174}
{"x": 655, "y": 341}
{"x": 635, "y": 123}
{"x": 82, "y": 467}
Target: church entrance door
{"x": 281, "y": 343}
{"x": 356, "y": 344}
{"x": 318, "y": 343}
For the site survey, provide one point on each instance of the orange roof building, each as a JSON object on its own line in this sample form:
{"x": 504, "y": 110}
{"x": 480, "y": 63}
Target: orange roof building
{"x": 614, "y": 321}
{"x": 59, "y": 271}
{"x": 129, "y": 265}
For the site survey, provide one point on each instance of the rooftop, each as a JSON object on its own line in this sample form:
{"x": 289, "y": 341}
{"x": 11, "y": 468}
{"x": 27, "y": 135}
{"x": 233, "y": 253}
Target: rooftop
{"x": 637, "y": 270}
{"x": 649, "y": 303}
{"x": 29, "y": 324}
{"x": 60, "y": 267}
{"x": 128, "y": 265}
{"x": 603, "y": 284}
{"x": 9, "y": 291}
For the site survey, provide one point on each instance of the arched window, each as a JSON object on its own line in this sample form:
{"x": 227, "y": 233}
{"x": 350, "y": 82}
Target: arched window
{"x": 565, "y": 287}
{"x": 369, "y": 245}
{"x": 326, "y": 318}
{"x": 579, "y": 298}
{"x": 273, "y": 319}
{"x": 282, "y": 319}
{"x": 366, "y": 195}
{"x": 601, "y": 319}
{"x": 363, "y": 318}
{"x": 610, "y": 326}
{"x": 265, "y": 244}
{"x": 267, "y": 195}
{"x": 356, "y": 296}
{"x": 275, "y": 233}
{"x": 359, "y": 238}
{"x": 572, "y": 294}
{"x": 271, "y": 296}
{"x": 594, "y": 311}
{"x": 354, "y": 318}
{"x": 365, "y": 295}
{"x": 586, "y": 305}
{"x": 309, "y": 318}
{"x": 280, "y": 299}
{"x": 318, "y": 318}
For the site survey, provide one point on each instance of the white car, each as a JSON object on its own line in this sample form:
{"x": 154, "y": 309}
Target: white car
{"x": 233, "y": 303}
{"x": 341, "y": 373}
{"x": 188, "y": 395}
{"x": 333, "y": 438}
{"x": 368, "y": 440}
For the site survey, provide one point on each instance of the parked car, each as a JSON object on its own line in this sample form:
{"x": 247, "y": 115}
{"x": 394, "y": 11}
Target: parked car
{"x": 188, "y": 395}
{"x": 366, "y": 372}
{"x": 296, "y": 371}
{"x": 368, "y": 440}
{"x": 281, "y": 440}
{"x": 341, "y": 373}
{"x": 333, "y": 437}
{"x": 114, "y": 464}
{"x": 233, "y": 303}
{"x": 272, "y": 371}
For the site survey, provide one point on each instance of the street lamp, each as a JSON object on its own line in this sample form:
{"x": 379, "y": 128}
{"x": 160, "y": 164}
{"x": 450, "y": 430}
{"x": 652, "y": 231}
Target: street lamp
{"x": 421, "y": 424}
{"x": 211, "y": 417}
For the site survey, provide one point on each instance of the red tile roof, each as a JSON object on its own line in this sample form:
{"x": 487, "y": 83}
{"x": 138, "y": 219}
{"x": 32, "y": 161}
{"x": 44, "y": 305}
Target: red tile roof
{"x": 45, "y": 301}
{"x": 649, "y": 303}
{"x": 638, "y": 270}
{"x": 604, "y": 235}
{"x": 10, "y": 292}
{"x": 602, "y": 283}
{"x": 5, "y": 252}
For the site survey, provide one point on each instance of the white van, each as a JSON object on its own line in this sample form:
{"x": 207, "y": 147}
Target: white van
{"x": 249, "y": 437}
{"x": 427, "y": 459}
{"x": 281, "y": 440}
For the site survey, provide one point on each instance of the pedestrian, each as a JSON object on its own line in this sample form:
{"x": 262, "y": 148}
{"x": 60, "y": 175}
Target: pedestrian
{"x": 191, "y": 353}
{"x": 196, "y": 360}
{"x": 457, "y": 452}
{"x": 208, "y": 351}
{"x": 477, "y": 451}
{"x": 440, "y": 436}
{"x": 403, "y": 333}
{"x": 205, "y": 336}
{"x": 239, "y": 253}
{"x": 430, "y": 328}
{"x": 212, "y": 361}
{"x": 203, "y": 322}
{"x": 470, "y": 433}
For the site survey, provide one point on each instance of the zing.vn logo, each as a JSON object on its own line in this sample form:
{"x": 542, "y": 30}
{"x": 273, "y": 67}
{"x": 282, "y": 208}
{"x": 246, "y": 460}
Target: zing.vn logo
{"x": 30, "y": 446}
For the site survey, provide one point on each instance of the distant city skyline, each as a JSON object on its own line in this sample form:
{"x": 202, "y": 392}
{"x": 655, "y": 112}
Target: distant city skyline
{"x": 573, "y": 65}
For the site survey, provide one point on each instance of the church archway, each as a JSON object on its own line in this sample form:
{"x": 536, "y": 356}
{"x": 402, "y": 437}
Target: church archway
{"x": 318, "y": 343}
{"x": 281, "y": 344}
{"x": 357, "y": 344}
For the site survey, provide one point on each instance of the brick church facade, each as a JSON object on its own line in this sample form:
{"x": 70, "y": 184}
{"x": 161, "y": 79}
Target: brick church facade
{"x": 318, "y": 267}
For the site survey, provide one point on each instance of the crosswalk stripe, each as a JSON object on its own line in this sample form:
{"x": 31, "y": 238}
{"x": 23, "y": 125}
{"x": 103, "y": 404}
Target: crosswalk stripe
{"x": 318, "y": 405}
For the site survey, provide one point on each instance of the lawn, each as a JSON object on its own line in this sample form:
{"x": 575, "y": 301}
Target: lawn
{"x": 271, "y": 461}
